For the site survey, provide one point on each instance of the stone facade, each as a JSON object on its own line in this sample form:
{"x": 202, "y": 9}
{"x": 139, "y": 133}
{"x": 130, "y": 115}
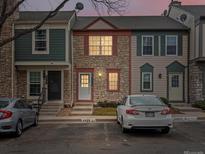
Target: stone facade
{"x": 196, "y": 83}
{"x": 7, "y": 69}
{"x": 67, "y": 87}
{"x": 100, "y": 64}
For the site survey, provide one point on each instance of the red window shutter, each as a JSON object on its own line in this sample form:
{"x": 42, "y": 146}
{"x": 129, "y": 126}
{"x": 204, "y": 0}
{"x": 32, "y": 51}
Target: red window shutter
{"x": 114, "y": 46}
{"x": 86, "y": 45}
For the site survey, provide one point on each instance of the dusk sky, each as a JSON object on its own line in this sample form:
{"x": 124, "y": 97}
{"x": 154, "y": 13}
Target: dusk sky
{"x": 135, "y": 7}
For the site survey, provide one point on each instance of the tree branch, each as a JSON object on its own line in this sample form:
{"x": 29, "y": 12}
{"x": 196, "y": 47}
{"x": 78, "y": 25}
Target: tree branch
{"x": 50, "y": 15}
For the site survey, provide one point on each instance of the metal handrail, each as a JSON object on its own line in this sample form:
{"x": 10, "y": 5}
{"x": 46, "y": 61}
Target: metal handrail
{"x": 41, "y": 99}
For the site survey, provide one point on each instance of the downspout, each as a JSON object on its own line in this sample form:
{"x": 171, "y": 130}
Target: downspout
{"x": 12, "y": 64}
{"x": 71, "y": 36}
{"x": 188, "y": 63}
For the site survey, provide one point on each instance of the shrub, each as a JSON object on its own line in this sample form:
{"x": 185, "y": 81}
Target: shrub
{"x": 165, "y": 101}
{"x": 107, "y": 104}
{"x": 199, "y": 104}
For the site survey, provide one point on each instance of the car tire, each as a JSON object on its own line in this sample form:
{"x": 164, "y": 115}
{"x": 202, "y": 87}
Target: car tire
{"x": 19, "y": 128}
{"x": 117, "y": 119}
{"x": 124, "y": 130}
{"x": 165, "y": 130}
{"x": 35, "y": 123}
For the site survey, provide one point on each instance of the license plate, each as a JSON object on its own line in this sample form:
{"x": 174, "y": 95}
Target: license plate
{"x": 149, "y": 114}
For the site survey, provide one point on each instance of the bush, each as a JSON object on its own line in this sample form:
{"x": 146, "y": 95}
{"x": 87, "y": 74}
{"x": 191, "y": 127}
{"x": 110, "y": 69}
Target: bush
{"x": 165, "y": 101}
{"x": 199, "y": 104}
{"x": 107, "y": 104}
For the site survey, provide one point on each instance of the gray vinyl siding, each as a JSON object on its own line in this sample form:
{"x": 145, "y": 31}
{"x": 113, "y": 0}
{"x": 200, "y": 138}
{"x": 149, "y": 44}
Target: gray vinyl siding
{"x": 159, "y": 64}
{"x": 57, "y": 47}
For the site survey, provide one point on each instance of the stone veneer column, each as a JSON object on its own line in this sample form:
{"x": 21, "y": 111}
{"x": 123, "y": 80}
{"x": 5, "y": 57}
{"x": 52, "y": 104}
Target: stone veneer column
{"x": 195, "y": 83}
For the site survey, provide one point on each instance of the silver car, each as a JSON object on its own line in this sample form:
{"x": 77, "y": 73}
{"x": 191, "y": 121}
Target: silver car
{"x": 16, "y": 115}
{"x": 144, "y": 112}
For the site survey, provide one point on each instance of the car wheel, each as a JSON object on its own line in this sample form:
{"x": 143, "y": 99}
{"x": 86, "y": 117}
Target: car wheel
{"x": 165, "y": 130}
{"x": 117, "y": 118}
{"x": 19, "y": 129}
{"x": 35, "y": 123}
{"x": 124, "y": 130}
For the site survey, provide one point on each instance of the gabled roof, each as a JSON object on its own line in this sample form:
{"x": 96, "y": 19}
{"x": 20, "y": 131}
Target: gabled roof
{"x": 132, "y": 23}
{"x": 35, "y": 16}
{"x": 196, "y": 10}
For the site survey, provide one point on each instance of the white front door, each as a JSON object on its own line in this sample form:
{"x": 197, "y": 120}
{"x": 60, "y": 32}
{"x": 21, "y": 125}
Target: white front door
{"x": 85, "y": 86}
{"x": 176, "y": 86}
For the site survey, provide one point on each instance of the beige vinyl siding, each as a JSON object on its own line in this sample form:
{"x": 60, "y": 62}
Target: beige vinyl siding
{"x": 203, "y": 40}
{"x": 159, "y": 63}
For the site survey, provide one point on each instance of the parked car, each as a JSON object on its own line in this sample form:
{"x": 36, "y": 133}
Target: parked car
{"x": 16, "y": 115}
{"x": 144, "y": 112}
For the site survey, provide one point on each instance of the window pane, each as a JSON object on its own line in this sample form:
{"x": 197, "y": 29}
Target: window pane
{"x": 40, "y": 40}
{"x": 35, "y": 89}
{"x": 35, "y": 83}
{"x": 147, "y": 79}
{"x": 171, "y": 45}
{"x": 113, "y": 81}
{"x": 175, "y": 81}
{"x": 147, "y": 45}
{"x": 100, "y": 45}
{"x": 84, "y": 80}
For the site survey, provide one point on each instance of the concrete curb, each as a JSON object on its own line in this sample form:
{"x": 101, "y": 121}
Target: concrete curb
{"x": 101, "y": 119}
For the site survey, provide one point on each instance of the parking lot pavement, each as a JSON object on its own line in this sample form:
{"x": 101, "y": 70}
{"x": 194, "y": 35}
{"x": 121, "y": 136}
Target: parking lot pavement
{"x": 106, "y": 138}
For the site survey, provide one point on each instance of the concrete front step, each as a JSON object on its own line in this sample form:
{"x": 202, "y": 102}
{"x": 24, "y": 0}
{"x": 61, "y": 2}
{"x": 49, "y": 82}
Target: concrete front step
{"x": 49, "y": 110}
{"x": 48, "y": 113}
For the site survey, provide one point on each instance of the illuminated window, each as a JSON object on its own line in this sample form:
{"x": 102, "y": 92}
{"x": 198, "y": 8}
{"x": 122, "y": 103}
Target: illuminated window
{"x": 113, "y": 81}
{"x": 100, "y": 45}
{"x": 84, "y": 80}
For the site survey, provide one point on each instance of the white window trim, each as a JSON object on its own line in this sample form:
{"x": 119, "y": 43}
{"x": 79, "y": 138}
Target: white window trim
{"x": 151, "y": 74}
{"x": 152, "y": 36}
{"x": 176, "y": 45}
{"x": 28, "y": 83}
{"x": 34, "y": 52}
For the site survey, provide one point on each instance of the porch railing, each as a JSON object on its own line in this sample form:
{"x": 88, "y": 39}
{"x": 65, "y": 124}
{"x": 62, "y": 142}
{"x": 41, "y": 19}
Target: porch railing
{"x": 41, "y": 99}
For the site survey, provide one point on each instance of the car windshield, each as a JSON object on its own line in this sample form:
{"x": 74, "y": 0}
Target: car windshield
{"x": 145, "y": 101}
{"x": 3, "y": 104}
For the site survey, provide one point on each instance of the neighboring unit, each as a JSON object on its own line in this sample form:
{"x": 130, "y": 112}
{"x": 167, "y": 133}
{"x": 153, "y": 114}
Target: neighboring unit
{"x": 193, "y": 16}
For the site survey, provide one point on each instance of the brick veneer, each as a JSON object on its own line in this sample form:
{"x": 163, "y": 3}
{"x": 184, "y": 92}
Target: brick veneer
{"x": 100, "y": 64}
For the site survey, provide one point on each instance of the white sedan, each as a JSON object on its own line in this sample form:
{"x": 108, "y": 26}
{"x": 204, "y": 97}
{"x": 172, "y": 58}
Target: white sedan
{"x": 144, "y": 112}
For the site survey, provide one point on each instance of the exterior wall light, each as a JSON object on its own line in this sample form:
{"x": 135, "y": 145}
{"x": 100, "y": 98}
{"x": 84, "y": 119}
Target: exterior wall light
{"x": 99, "y": 74}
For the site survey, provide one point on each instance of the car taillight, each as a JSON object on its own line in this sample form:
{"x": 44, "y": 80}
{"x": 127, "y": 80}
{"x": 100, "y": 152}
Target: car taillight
{"x": 5, "y": 114}
{"x": 132, "y": 112}
{"x": 166, "y": 111}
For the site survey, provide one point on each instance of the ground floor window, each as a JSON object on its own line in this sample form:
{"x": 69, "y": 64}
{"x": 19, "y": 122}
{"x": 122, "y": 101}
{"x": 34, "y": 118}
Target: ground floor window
{"x": 113, "y": 80}
{"x": 34, "y": 83}
{"x": 146, "y": 81}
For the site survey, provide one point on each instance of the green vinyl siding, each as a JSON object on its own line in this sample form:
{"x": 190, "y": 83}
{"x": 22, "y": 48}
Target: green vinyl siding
{"x": 162, "y": 47}
{"x": 57, "y": 49}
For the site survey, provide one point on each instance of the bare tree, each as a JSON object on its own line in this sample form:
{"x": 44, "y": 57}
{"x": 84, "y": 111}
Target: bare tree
{"x": 6, "y": 11}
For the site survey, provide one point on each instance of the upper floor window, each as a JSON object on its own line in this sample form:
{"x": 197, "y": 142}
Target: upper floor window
{"x": 147, "y": 45}
{"x": 40, "y": 42}
{"x": 171, "y": 45}
{"x": 100, "y": 45}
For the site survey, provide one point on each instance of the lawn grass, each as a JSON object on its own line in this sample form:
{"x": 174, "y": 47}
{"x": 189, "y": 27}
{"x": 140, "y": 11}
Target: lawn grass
{"x": 104, "y": 111}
